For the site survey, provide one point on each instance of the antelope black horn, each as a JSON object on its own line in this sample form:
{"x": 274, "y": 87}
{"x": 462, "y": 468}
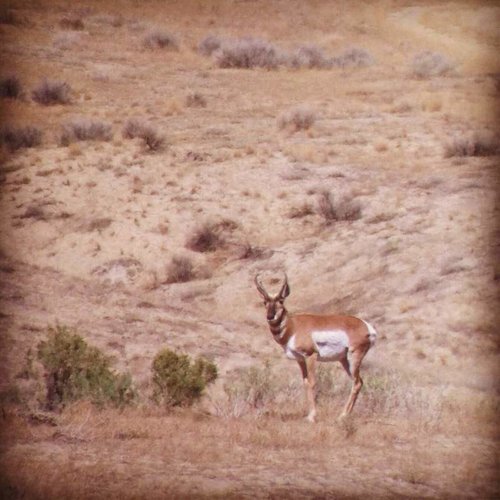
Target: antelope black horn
{"x": 260, "y": 288}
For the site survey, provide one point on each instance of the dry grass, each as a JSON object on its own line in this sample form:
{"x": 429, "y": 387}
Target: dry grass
{"x": 15, "y": 138}
{"x": 403, "y": 237}
{"x": 298, "y": 118}
{"x": 50, "y": 92}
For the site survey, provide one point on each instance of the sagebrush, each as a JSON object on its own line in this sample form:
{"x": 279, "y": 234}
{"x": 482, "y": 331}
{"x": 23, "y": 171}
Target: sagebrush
{"x": 178, "y": 380}
{"x": 76, "y": 370}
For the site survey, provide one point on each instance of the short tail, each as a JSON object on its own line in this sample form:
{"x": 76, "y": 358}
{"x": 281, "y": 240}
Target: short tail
{"x": 372, "y": 333}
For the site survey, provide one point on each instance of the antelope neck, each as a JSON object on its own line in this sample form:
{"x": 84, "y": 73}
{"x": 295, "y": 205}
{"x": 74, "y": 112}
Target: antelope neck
{"x": 278, "y": 325}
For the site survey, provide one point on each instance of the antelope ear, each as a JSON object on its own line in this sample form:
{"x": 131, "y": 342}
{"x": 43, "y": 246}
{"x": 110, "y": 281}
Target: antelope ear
{"x": 285, "y": 289}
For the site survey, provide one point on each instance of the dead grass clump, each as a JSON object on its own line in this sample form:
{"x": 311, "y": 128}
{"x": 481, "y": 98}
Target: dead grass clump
{"x": 15, "y": 138}
{"x": 249, "y": 391}
{"x": 159, "y": 39}
{"x": 309, "y": 56}
{"x": 483, "y": 143}
{"x": 345, "y": 209}
{"x": 209, "y": 45}
{"x": 7, "y": 16}
{"x": 252, "y": 252}
{"x": 247, "y": 53}
{"x": 10, "y": 87}
{"x": 84, "y": 129}
{"x": 205, "y": 238}
{"x": 298, "y": 118}
{"x": 138, "y": 128}
{"x": 428, "y": 64}
{"x": 49, "y": 93}
{"x": 353, "y": 58}
{"x": 196, "y": 100}
{"x": 67, "y": 40}
{"x": 71, "y": 22}
{"x": 301, "y": 211}
{"x": 180, "y": 270}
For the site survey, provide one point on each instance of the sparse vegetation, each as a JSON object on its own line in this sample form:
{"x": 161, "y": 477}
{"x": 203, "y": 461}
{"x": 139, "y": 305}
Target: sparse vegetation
{"x": 483, "y": 143}
{"x": 209, "y": 45}
{"x": 180, "y": 270}
{"x": 49, "y": 93}
{"x": 297, "y": 118}
{"x": 71, "y": 22}
{"x": 10, "y": 87}
{"x": 15, "y": 138}
{"x": 247, "y": 53}
{"x": 353, "y": 58}
{"x": 428, "y": 64}
{"x": 249, "y": 390}
{"x": 95, "y": 232}
{"x": 195, "y": 100}
{"x": 343, "y": 209}
{"x": 205, "y": 238}
{"x": 178, "y": 380}
{"x": 160, "y": 39}
{"x": 139, "y": 128}
{"x": 85, "y": 129}
{"x": 309, "y": 56}
{"x": 75, "y": 370}
{"x": 8, "y": 16}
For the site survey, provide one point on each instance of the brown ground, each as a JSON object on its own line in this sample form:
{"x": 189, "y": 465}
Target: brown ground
{"x": 89, "y": 231}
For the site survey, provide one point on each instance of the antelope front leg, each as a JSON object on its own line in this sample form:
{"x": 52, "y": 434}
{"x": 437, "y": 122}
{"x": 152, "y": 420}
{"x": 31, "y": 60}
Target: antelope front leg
{"x": 308, "y": 368}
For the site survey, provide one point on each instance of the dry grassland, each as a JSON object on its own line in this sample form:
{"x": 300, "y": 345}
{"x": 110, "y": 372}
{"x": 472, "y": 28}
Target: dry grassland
{"x": 175, "y": 181}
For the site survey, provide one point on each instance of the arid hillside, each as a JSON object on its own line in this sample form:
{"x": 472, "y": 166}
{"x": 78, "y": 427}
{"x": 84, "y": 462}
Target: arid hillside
{"x": 156, "y": 155}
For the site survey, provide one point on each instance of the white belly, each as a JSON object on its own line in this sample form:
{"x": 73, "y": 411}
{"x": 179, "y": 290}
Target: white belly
{"x": 332, "y": 345}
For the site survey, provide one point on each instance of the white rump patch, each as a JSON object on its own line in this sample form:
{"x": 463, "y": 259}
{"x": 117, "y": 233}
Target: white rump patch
{"x": 372, "y": 333}
{"x": 330, "y": 344}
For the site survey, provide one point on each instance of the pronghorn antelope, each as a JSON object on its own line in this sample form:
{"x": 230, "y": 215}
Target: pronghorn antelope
{"x": 308, "y": 338}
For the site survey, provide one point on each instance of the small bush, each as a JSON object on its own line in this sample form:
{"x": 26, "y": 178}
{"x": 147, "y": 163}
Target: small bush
{"x": 15, "y": 138}
{"x": 51, "y": 92}
{"x": 67, "y": 40}
{"x": 209, "y": 45}
{"x": 205, "y": 238}
{"x": 179, "y": 381}
{"x": 84, "y": 129}
{"x": 483, "y": 143}
{"x": 309, "y": 56}
{"x": 428, "y": 64}
{"x": 7, "y": 16}
{"x": 247, "y": 53}
{"x": 75, "y": 370}
{"x": 138, "y": 128}
{"x": 354, "y": 58}
{"x": 71, "y": 22}
{"x": 180, "y": 270}
{"x": 158, "y": 39}
{"x": 298, "y": 118}
{"x": 345, "y": 209}
{"x": 195, "y": 100}
{"x": 10, "y": 86}
{"x": 255, "y": 386}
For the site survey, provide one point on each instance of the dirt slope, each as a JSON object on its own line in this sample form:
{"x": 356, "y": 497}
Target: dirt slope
{"x": 91, "y": 230}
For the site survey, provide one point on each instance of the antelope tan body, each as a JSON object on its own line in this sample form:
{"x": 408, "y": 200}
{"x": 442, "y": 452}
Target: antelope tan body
{"x": 308, "y": 338}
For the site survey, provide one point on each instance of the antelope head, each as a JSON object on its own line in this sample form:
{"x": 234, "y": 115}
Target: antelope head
{"x": 275, "y": 308}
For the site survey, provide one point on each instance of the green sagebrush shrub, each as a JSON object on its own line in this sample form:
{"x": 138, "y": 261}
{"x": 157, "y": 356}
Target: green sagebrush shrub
{"x": 75, "y": 370}
{"x": 179, "y": 381}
